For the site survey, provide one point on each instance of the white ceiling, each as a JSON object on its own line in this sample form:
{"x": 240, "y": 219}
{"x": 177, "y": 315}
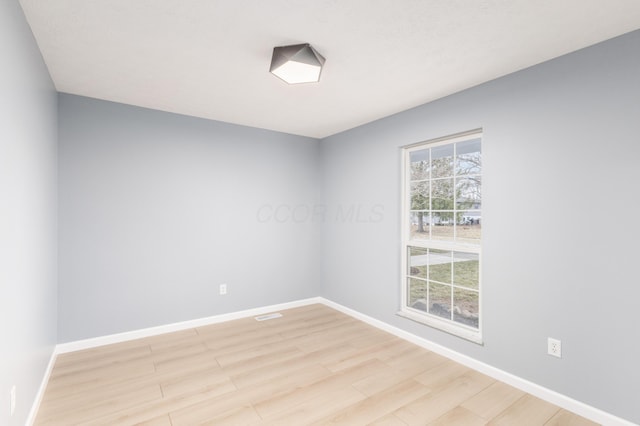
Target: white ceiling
{"x": 210, "y": 58}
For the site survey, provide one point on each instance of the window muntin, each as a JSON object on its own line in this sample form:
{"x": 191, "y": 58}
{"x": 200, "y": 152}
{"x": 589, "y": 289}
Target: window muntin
{"x": 441, "y": 234}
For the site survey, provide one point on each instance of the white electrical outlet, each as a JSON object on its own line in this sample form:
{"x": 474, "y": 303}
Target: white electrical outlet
{"x": 554, "y": 347}
{"x": 12, "y": 397}
{"x": 223, "y": 289}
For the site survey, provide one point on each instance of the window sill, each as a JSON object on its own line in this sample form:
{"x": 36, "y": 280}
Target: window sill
{"x": 465, "y": 333}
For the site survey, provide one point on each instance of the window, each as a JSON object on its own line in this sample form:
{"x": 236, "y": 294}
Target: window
{"x": 441, "y": 233}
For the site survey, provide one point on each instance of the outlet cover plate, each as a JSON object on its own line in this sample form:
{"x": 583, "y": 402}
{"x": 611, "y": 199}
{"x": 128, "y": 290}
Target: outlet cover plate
{"x": 554, "y": 347}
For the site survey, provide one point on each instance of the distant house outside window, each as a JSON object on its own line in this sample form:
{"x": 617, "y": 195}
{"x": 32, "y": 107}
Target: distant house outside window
{"x": 441, "y": 234}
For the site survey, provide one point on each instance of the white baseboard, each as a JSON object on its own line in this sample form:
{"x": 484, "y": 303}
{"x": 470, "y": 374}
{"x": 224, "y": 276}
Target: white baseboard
{"x": 168, "y": 328}
{"x": 43, "y": 386}
{"x": 541, "y": 392}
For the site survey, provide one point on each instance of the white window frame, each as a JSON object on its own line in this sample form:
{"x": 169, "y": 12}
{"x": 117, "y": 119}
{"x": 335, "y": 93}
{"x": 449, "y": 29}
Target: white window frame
{"x": 448, "y": 326}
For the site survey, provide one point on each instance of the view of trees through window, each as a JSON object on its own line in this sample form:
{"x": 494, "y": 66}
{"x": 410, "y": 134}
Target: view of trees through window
{"x": 442, "y": 242}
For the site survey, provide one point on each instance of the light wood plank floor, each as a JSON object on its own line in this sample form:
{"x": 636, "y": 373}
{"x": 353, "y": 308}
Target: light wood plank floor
{"x": 313, "y": 366}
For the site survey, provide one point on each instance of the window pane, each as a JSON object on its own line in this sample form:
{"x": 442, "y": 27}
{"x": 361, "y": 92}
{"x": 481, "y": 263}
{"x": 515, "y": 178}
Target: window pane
{"x": 440, "y": 265}
{"x": 469, "y": 157}
{"x": 420, "y": 225}
{"x": 420, "y": 196}
{"x": 442, "y": 161}
{"x": 469, "y": 193}
{"x": 469, "y": 227}
{"x": 440, "y": 300}
{"x": 466, "y": 269}
{"x": 418, "y": 262}
{"x": 466, "y": 307}
{"x": 419, "y": 164}
{"x": 417, "y": 294}
{"x": 442, "y": 225}
{"x": 442, "y": 192}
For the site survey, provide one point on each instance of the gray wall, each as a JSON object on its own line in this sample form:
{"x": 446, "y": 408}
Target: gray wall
{"x": 27, "y": 214}
{"x": 561, "y": 159}
{"x": 157, "y": 210}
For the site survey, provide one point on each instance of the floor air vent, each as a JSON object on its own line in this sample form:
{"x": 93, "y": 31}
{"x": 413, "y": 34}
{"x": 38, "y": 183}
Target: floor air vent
{"x": 268, "y": 316}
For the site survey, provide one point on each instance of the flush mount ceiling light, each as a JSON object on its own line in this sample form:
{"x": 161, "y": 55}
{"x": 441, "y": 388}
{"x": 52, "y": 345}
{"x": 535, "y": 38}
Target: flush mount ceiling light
{"x": 295, "y": 64}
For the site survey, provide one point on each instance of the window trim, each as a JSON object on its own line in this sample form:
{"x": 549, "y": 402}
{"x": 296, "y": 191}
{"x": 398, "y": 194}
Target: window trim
{"x": 406, "y": 311}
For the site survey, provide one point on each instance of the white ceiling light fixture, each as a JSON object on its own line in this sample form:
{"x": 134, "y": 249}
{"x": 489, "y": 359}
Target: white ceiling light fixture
{"x": 299, "y": 63}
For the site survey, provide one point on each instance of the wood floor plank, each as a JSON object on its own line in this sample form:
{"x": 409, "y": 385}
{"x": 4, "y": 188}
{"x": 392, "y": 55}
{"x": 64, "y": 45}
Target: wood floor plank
{"x": 101, "y": 407}
{"x": 409, "y": 366}
{"x": 158, "y": 421}
{"x": 263, "y": 361}
{"x": 493, "y": 400}
{"x": 68, "y": 401}
{"x": 312, "y": 365}
{"x": 388, "y": 420}
{"x": 316, "y": 408}
{"x": 241, "y": 342}
{"x": 328, "y": 385}
{"x": 111, "y": 350}
{"x": 319, "y": 339}
{"x": 526, "y": 411}
{"x": 65, "y": 367}
{"x": 267, "y": 371}
{"x": 306, "y": 328}
{"x": 378, "y": 405}
{"x": 198, "y": 383}
{"x": 150, "y": 410}
{"x": 284, "y": 385}
{"x": 242, "y": 415}
{"x": 459, "y": 417}
{"x": 399, "y": 348}
{"x": 265, "y": 391}
{"x": 183, "y": 351}
{"x": 409, "y": 357}
{"x": 442, "y": 374}
{"x": 354, "y": 356}
{"x": 182, "y": 361}
{"x": 97, "y": 378}
{"x": 566, "y": 418}
{"x": 441, "y": 400}
{"x": 208, "y": 409}
{"x": 371, "y": 339}
{"x": 244, "y": 354}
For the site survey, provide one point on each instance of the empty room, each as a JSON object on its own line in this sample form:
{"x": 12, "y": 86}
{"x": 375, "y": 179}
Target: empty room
{"x": 410, "y": 212}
